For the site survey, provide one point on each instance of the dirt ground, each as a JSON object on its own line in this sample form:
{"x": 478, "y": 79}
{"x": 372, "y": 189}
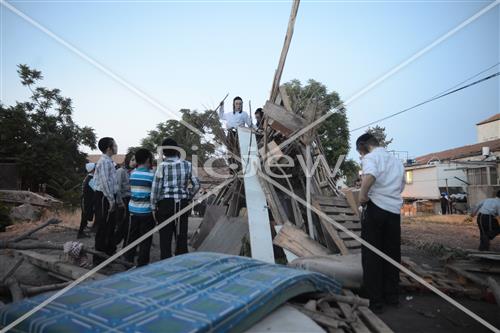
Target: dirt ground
{"x": 424, "y": 239}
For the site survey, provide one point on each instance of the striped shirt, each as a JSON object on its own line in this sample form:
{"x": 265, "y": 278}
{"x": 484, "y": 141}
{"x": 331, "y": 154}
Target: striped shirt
{"x": 105, "y": 179}
{"x": 171, "y": 181}
{"x": 141, "y": 180}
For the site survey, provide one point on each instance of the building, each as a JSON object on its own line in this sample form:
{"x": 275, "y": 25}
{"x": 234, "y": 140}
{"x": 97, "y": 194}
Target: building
{"x": 471, "y": 169}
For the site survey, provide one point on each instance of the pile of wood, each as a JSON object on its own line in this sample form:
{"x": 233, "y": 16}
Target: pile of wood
{"x": 342, "y": 313}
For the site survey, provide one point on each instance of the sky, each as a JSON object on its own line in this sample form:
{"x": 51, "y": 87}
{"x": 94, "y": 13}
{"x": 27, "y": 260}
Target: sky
{"x": 189, "y": 54}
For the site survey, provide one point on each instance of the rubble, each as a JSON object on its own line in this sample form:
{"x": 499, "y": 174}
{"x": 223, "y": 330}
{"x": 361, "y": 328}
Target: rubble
{"x": 25, "y": 212}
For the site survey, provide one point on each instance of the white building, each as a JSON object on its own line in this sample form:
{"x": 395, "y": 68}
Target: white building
{"x": 472, "y": 169}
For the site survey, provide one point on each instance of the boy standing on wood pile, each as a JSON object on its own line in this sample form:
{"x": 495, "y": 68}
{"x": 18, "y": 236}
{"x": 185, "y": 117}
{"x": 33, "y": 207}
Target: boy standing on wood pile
{"x": 487, "y": 212}
{"x": 380, "y": 195}
{"x": 170, "y": 194}
{"x": 122, "y": 175}
{"x": 141, "y": 215}
{"x": 87, "y": 201}
{"x": 107, "y": 198}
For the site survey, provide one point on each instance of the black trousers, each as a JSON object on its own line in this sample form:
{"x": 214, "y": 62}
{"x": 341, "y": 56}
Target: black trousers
{"x": 140, "y": 225}
{"x": 122, "y": 224}
{"x": 106, "y": 223}
{"x": 488, "y": 229}
{"x": 381, "y": 229}
{"x": 179, "y": 227}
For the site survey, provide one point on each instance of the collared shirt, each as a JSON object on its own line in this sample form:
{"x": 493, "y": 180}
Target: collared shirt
{"x": 122, "y": 177}
{"x": 105, "y": 178}
{"x": 235, "y": 119}
{"x": 389, "y": 179}
{"x": 141, "y": 180}
{"x": 490, "y": 206}
{"x": 171, "y": 181}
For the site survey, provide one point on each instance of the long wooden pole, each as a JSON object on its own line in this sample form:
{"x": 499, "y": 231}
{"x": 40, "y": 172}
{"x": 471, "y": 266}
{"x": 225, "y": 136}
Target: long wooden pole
{"x": 284, "y": 51}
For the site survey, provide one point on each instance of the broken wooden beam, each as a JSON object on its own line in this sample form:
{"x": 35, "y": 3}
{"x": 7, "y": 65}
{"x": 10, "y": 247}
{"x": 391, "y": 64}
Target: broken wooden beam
{"x": 27, "y": 197}
{"x": 53, "y": 264}
{"x": 283, "y": 121}
{"x": 298, "y": 242}
{"x": 15, "y": 289}
{"x": 30, "y": 232}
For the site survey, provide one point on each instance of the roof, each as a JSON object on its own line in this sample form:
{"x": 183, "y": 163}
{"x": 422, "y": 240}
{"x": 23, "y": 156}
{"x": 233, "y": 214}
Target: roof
{"x": 490, "y": 119}
{"x": 460, "y": 152}
{"x": 118, "y": 158}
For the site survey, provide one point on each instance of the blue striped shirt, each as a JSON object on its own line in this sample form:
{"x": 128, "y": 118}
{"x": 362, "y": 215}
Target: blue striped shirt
{"x": 141, "y": 180}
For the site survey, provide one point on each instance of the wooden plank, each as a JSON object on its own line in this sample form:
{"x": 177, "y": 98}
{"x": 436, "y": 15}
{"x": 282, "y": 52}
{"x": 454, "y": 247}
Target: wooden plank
{"x": 469, "y": 276}
{"x": 352, "y": 197}
{"x": 212, "y": 215}
{"x": 54, "y": 264}
{"x": 226, "y": 236}
{"x": 281, "y": 120}
{"x": 345, "y": 236}
{"x": 285, "y": 99}
{"x": 344, "y": 217}
{"x": 352, "y": 244}
{"x": 258, "y": 218}
{"x": 298, "y": 242}
{"x": 374, "y": 323}
{"x": 284, "y": 50}
{"x": 336, "y": 209}
{"x": 330, "y": 230}
{"x": 331, "y": 201}
{"x": 353, "y": 226}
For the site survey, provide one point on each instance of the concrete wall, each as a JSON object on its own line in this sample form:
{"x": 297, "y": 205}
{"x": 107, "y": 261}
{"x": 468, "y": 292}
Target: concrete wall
{"x": 476, "y": 193}
{"x": 424, "y": 185}
{"x": 447, "y": 173}
{"x": 488, "y": 131}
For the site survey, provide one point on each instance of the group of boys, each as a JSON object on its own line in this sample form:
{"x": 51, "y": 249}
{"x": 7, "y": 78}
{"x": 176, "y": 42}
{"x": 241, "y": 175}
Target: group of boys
{"x": 130, "y": 201}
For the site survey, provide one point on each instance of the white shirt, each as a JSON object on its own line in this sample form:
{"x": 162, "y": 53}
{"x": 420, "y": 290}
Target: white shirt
{"x": 490, "y": 206}
{"x": 389, "y": 179}
{"x": 235, "y": 119}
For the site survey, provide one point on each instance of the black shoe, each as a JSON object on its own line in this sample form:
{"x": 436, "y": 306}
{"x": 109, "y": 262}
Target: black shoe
{"x": 377, "y": 307}
{"x": 392, "y": 301}
{"x": 82, "y": 235}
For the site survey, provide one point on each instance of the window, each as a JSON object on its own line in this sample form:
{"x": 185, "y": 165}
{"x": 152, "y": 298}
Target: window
{"x": 409, "y": 177}
{"x": 479, "y": 176}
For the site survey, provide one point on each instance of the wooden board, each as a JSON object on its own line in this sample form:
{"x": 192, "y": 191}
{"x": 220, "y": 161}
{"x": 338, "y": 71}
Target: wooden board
{"x": 283, "y": 121}
{"x": 54, "y": 264}
{"x": 298, "y": 242}
{"x": 258, "y": 218}
{"x": 374, "y": 323}
{"x": 212, "y": 215}
{"x": 331, "y": 201}
{"x": 336, "y": 209}
{"x": 226, "y": 236}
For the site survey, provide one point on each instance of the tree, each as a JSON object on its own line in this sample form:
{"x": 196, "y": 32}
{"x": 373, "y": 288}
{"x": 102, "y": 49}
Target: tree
{"x": 334, "y": 131}
{"x": 379, "y": 133}
{"x": 207, "y": 122}
{"x": 42, "y": 136}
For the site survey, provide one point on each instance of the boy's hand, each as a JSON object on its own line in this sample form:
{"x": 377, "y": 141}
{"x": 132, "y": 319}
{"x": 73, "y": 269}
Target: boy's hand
{"x": 112, "y": 206}
{"x": 154, "y": 218}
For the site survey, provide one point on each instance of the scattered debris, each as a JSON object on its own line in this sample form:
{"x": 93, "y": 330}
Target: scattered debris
{"x": 25, "y": 212}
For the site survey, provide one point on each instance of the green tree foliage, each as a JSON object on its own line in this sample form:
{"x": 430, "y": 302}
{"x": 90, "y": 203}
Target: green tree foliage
{"x": 379, "y": 133}
{"x": 41, "y": 134}
{"x": 334, "y": 131}
{"x": 207, "y": 122}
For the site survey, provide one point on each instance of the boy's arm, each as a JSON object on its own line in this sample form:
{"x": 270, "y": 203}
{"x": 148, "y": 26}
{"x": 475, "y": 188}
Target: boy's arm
{"x": 196, "y": 183}
{"x": 108, "y": 183}
{"x": 156, "y": 187}
{"x": 221, "y": 111}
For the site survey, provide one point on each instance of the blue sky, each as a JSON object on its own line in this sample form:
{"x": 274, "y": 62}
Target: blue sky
{"x": 190, "y": 54}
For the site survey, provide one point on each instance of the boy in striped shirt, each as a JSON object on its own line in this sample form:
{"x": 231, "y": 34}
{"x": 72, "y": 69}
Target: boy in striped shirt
{"x": 141, "y": 216}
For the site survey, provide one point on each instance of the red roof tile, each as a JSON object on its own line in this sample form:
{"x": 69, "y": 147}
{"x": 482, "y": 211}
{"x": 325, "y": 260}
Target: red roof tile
{"x": 490, "y": 119}
{"x": 460, "y": 152}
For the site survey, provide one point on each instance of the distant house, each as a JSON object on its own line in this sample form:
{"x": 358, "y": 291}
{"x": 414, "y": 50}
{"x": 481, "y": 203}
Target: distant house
{"x": 471, "y": 169}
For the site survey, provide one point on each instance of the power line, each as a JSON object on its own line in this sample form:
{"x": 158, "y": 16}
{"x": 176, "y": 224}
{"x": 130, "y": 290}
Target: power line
{"x": 447, "y": 92}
